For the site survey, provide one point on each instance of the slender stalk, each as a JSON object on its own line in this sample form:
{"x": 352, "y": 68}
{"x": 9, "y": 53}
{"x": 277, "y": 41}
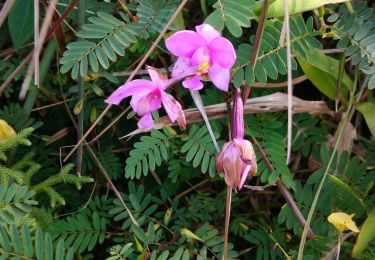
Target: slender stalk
{"x": 98, "y": 163}
{"x": 36, "y": 42}
{"x": 5, "y": 10}
{"x": 110, "y": 183}
{"x": 258, "y": 37}
{"x": 227, "y": 218}
{"x": 319, "y": 189}
{"x": 198, "y": 102}
{"x": 141, "y": 63}
{"x": 338, "y": 247}
{"x": 284, "y": 191}
{"x": 43, "y": 35}
{"x": 339, "y": 81}
{"x": 290, "y": 87}
{"x": 81, "y": 87}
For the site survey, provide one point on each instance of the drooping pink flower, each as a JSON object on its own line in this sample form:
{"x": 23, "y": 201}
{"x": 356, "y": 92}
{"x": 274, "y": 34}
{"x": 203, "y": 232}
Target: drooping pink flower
{"x": 237, "y": 158}
{"x": 204, "y": 52}
{"x": 147, "y": 97}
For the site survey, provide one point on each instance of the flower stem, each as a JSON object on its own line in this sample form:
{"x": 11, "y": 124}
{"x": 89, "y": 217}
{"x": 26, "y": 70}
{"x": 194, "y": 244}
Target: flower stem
{"x": 198, "y": 102}
{"x": 338, "y": 249}
{"x": 227, "y": 218}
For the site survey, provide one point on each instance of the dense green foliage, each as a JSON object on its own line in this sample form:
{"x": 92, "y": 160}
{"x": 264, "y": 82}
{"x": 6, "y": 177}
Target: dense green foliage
{"x": 170, "y": 202}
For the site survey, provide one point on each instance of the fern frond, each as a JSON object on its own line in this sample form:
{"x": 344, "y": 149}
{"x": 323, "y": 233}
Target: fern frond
{"x": 154, "y": 15}
{"x": 272, "y": 143}
{"x": 7, "y": 174}
{"x": 200, "y": 150}
{"x": 214, "y": 241}
{"x": 112, "y": 36}
{"x": 118, "y": 252}
{"x": 62, "y": 177}
{"x": 108, "y": 36}
{"x": 15, "y": 203}
{"x": 141, "y": 205}
{"x": 148, "y": 154}
{"x": 112, "y": 164}
{"x": 20, "y": 138}
{"x": 306, "y": 134}
{"x": 79, "y": 231}
{"x": 23, "y": 243}
{"x": 356, "y": 33}
{"x": 234, "y": 14}
{"x": 18, "y": 117}
{"x": 271, "y": 60}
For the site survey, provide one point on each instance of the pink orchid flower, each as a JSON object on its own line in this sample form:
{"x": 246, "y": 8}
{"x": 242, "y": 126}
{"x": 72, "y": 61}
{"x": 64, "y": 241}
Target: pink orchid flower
{"x": 204, "y": 52}
{"x": 237, "y": 158}
{"x": 147, "y": 97}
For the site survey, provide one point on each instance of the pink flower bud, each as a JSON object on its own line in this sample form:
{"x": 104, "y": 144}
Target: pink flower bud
{"x": 238, "y": 161}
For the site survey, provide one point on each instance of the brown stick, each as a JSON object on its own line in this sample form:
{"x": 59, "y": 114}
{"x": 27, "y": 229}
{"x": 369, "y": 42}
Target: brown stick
{"x": 141, "y": 63}
{"x": 110, "y": 183}
{"x": 258, "y": 38}
{"x": 5, "y": 10}
{"x": 284, "y": 191}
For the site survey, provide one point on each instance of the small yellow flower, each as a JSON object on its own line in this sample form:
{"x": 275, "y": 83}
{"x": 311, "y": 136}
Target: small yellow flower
{"x": 6, "y": 131}
{"x": 342, "y": 222}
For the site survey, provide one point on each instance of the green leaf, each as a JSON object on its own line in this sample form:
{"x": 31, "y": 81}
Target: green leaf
{"x": 322, "y": 71}
{"x": 234, "y": 14}
{"x": 21, "y": 22}
{"x": 367, "y": 109}
{"x": 366, "y": 235}
{"x": 276, "y": 9}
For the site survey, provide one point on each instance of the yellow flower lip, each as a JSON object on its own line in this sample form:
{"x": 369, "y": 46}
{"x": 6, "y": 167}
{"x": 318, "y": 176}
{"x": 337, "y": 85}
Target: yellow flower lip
{"x": 203, "y": 67}
{"x": 342, "y": 222}
{"x": 6, "y": 131}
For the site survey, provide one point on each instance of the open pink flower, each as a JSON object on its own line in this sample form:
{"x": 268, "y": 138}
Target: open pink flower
{"x": 147, "y": 97}
{"x": 202, "y": 52}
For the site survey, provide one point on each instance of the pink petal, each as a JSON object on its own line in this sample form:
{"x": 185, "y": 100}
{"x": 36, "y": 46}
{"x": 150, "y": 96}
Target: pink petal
{"x": 244, "y": 176}
{"x": 173, "y": 109}
{"x": 128, "y": 89}
{"x": 232, "y": 165}
{"x": 148, "y": 103}
{"x": 146, "y": 122}
{"x": 194, "y": 83}
{"x": 157, "y": 77}
{"x": 199, "y": 56}
{"x": 184, "y": 43}
{"x": 207, "y": 32}
{"x": 182, "y": 67}
{"x": 219, "y": 76}
{"x": 222, "y": 52}
{"x": 219, "y": 158}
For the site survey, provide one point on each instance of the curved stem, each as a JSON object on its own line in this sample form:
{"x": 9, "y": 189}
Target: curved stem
{"x": 319, "y": 189}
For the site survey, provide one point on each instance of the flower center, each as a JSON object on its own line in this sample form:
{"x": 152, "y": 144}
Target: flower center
{"x": 203, "y": 67}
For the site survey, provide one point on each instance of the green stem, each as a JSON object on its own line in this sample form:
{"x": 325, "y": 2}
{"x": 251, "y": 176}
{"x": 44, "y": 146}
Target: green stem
{"x": 319, "y": 189}
{"x": 349, "y": 6}
{"x": 258, "y": 38}
{"x": 81, "y": 87}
